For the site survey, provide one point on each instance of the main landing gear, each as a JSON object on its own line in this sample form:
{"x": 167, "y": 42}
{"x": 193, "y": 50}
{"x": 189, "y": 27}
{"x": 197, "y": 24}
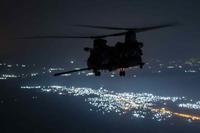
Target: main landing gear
{"x": 122, "y": 72}
{"x": 97, "y": 73}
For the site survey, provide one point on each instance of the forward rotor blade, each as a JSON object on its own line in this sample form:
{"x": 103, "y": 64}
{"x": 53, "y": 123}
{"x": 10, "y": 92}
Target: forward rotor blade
{"x": 68, "y": 72}
{"x": 110, "y": 35}
{"x": 64, "y": 37}
{"x": 52, "y": 37}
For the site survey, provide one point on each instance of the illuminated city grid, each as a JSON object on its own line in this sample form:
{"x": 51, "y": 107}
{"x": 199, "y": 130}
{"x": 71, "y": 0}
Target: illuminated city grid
{"x": 138, "y": 105}
{"x": 191, "y": 65}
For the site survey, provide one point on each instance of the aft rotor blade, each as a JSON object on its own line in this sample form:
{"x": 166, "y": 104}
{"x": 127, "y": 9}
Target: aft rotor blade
{"x": 68, "y": 72}
{"x": 143, "y": 29}
{"x": 102, "y": 27}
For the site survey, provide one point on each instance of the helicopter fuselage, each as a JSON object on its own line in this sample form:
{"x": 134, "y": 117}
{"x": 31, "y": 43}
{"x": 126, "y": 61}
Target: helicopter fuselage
{"x": 120, "y": 56}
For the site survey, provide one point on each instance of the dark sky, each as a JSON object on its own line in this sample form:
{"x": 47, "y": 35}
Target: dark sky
{"x": 52, "y": 113}
{"x": 55, "y": 17}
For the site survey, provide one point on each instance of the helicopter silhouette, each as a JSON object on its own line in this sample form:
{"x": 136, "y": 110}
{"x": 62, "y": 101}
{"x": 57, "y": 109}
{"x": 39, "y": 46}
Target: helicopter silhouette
{"x": 104, "y": 57}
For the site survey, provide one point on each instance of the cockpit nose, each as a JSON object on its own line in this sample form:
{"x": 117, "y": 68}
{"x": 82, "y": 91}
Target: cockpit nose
{"x": 87, "y": 49}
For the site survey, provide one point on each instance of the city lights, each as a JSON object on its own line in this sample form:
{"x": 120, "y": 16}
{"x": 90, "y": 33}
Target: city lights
{"x": 139, "y": 105}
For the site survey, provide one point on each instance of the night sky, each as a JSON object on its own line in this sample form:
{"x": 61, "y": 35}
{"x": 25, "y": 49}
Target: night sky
{"x": 28, "y": 102}
{"x": 29, "y": 18}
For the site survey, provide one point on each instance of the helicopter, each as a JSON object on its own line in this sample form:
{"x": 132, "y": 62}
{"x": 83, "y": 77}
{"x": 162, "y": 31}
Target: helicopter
{"x": 104, "y": 57}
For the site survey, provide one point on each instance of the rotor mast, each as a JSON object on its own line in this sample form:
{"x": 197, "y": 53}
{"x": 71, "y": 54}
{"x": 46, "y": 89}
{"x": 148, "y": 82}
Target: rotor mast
{"x": 130, "y": 36}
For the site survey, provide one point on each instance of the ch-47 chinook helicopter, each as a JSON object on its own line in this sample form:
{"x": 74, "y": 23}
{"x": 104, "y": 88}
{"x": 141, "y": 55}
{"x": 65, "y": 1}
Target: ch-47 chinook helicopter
{"x": 104, "y": 57}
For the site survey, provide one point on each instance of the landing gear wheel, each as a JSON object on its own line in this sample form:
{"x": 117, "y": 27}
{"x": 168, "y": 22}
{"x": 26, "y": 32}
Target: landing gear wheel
{"x": 141, "y": 65}
{"x": 122, "y": 73}
{"x": 97, "y": 73}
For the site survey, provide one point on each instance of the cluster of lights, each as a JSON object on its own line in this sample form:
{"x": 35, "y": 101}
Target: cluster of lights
{"x": 34, "y": 74}
{"x": 190, "y": 71}
{"x": 8, "y": 76}
{"x": 56, "y": 69}
{"x": 90, "y": 74}
{"x": 190, "y": 105}
{"x": 189, "y": 66}
{"x": 13, "y": 76}
{"x": 140, "y": 105}
{"x": 31, "y": 87}
{"x": 23, "y": 65}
